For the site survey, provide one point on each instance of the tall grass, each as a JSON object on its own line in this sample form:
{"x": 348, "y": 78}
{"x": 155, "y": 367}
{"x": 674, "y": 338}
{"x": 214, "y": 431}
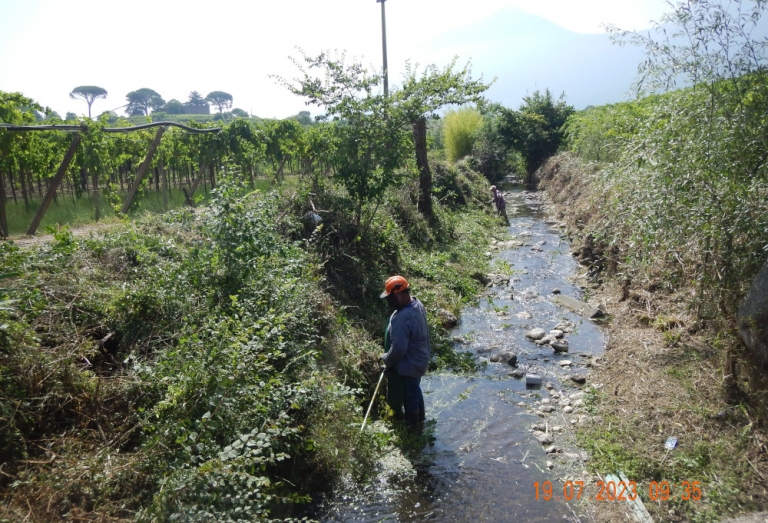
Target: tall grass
{"x": 684, "y": 190}
{"x": 460, "y": 129}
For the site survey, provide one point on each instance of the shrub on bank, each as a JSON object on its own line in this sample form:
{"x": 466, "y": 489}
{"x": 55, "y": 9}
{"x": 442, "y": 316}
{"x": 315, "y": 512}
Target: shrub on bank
{"x": 681, "y": 191}
{"x": 210, "y": 365}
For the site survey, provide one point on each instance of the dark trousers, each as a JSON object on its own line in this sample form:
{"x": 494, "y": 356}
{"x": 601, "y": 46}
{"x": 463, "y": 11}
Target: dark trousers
{"x": 503, "y": 214}
{"x": 404, "y": 397}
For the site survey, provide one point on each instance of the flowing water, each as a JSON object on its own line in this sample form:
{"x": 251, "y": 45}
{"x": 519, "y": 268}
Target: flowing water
{"x": 485, "y": 460}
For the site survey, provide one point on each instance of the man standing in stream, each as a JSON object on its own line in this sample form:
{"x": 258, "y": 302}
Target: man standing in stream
{"x": 499, "y": 202}
{"x": 406, "y": 341}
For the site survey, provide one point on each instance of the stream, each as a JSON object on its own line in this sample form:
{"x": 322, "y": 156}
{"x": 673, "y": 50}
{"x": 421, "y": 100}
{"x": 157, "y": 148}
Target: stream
{"x": 485, "y": 459}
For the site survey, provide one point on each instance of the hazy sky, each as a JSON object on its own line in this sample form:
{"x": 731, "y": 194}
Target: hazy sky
{"x": 48, "y": 47}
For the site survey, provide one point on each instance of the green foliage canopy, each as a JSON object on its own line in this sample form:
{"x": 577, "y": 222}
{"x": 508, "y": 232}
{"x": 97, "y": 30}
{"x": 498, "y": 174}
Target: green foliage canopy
{"x": 174, "y": 107}
{"x": 537, "y": 129}
{"x": 88, "y": 93}
{"x": 220, "y": 99}
{"x": 141, "y": 101}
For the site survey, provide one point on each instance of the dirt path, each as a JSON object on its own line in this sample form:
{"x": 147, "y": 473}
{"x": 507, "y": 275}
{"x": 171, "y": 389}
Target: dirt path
{"x": 25, "y": 241}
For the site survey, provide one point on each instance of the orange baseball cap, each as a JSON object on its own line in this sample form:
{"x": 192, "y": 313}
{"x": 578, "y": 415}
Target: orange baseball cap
{"x": 394, "y": 285}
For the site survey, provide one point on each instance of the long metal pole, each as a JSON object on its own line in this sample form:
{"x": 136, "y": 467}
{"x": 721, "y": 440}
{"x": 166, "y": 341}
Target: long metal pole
{"x": 384, "y": 47}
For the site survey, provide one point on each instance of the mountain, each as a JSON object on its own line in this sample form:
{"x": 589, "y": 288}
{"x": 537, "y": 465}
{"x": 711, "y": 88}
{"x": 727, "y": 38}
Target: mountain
{"x": 526, "y": 53}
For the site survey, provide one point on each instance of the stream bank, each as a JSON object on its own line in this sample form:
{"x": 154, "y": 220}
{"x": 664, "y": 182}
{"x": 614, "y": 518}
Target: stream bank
{"x": 663, "y": 375}
{"x": 496, "y": 439}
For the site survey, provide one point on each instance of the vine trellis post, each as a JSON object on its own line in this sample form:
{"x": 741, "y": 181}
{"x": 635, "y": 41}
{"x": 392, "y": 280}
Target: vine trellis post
{"x": 73, "y": 145}
{"x": 143, "y": 168}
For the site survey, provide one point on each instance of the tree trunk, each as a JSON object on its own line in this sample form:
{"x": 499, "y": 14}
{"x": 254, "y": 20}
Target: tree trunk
{"x": 3, "y": 215}
{"x": 60, "y": 174}
{"x": 24, "y": 188}
{"x": 83, "y": 180}
{"x": 13, "y": 186}
{"x": 164, "y": 175}
{"x": 425, "y": 176}
{"x": 95, "y": 185}
{"x": 142, "y": 169}
{"x": 279, "y": 172}
{"x": 30, "y": 185}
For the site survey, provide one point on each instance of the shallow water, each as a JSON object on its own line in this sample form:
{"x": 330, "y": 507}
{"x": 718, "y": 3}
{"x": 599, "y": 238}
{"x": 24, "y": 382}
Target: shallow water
{"x": 485, "y": 459}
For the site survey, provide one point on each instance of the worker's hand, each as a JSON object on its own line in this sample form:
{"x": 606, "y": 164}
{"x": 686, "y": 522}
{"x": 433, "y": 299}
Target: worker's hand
{"x": 382, "y": 365}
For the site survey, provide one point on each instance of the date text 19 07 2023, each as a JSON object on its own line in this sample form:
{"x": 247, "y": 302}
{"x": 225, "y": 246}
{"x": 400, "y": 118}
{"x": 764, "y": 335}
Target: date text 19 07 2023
{"x": 622, "y": 491}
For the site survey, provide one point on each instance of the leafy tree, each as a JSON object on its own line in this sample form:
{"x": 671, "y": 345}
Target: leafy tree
{"x": 537, "y": 129}
{"x": 491, "y": 154}
{"x": 350, "y": 93}
{"x": 196, "y": 100}
{"x": 368, "y": 139}
{"x": 70, "y": 116}
{"x": 239, "y": 113}
{"x": 141, "y": 101}
{"x": 304, "y": 118}
{"x": 174, "y": 107}
{"x": 220, "y": 99}
{"x": 88, "y": 93}
{"x": 420, "y": 97}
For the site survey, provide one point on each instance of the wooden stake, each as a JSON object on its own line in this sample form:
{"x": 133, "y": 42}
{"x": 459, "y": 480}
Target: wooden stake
{"x": 95, "y": 188}
{"x": 55, "y": 183}
{"x": 203, "y": 167}
{"x": 3, "y": 215}
{"x": 142, "y": 170}
{"x": 164, "y": 176}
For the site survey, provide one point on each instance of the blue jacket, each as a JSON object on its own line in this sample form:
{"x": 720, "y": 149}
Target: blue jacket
{"x": 407, "y": 341}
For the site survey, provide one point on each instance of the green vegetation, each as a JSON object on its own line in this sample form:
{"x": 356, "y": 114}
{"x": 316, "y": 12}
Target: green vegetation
{"x": 667, "y": 198}
{"x": 684, "y": 181}
{"x": 214, "y": 359}
{"x": 89, "y": 94}
{"x": 213, "y": 364}
{"x": 518, "y": 142}
{"x": 459, "y": 132}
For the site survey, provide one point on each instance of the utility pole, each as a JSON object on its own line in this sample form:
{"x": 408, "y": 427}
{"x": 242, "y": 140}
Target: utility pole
{"x": 384, "y": 46}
